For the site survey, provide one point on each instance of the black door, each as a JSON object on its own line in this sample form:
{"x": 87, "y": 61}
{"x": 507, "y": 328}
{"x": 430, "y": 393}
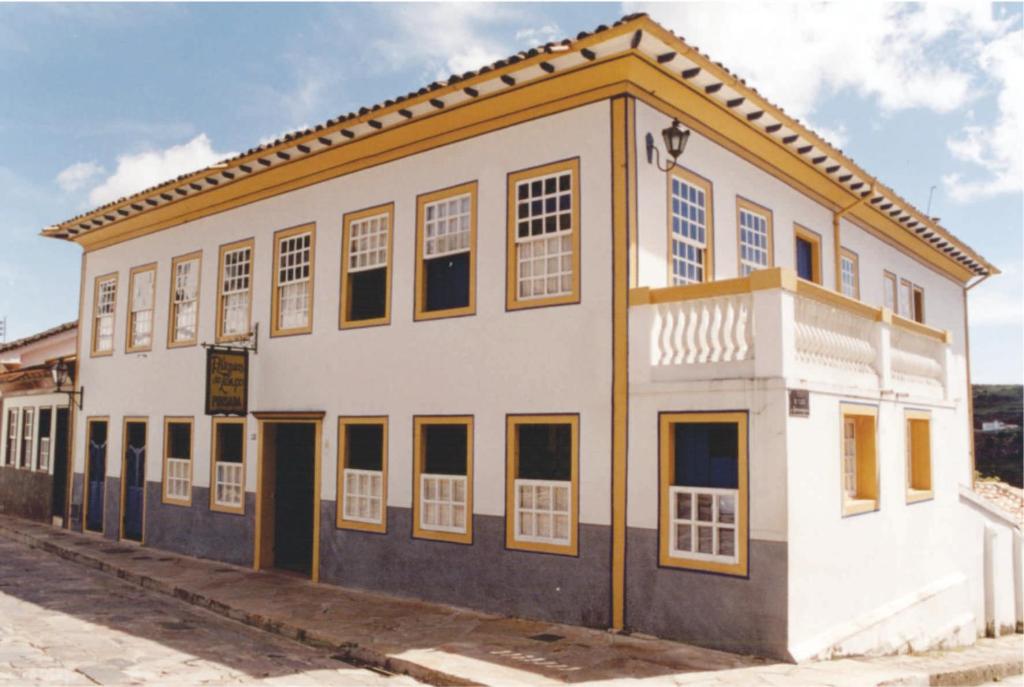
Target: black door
{"x": 60, "y": 464}
{"x": 97, "y": 475}
{"x": 293, "y": 497}
{"x": 134, "y": 479}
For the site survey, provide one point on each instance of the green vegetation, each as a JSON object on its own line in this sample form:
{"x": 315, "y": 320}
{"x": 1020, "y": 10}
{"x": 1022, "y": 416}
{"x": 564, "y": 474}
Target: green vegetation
{"x": 999, "y": 454}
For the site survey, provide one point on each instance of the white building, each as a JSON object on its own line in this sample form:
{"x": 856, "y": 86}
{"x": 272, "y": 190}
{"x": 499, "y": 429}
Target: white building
{"x": 504, "y": 361}
{"x": 35, "y": 425}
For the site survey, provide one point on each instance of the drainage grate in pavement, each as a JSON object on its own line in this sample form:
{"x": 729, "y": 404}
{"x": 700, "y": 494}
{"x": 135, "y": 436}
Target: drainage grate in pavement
{"x": 545, "y": 637}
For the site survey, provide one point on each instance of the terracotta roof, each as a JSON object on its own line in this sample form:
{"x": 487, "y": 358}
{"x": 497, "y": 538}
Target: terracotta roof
{"x": 710, "y": 77}
{"x": 53, "y": 331}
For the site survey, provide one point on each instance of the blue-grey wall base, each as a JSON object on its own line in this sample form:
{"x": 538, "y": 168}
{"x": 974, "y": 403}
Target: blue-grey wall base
{"x": 742, "y": 615}
{"x": 483, "y": 575}
{"x": 77, "y": 480}
{"x": 26, "y": 493}
{"x": 198, "y": 531}
{"x": 112, "y": 507}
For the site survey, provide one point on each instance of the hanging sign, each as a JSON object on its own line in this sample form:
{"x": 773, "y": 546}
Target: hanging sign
{"x": 227, "y": 381}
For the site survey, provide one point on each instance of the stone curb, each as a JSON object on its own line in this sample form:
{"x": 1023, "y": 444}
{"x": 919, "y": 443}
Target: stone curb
{"x": 349, "y": 651}
{"x": 976, "y": 675}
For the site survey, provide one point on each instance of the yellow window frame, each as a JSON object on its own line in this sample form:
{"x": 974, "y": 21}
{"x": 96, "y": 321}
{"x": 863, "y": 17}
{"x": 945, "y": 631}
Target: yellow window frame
{"x": 918, "y": 429}
{"x": 512, "y": 424}
{"x": 221, "y": 253}
{"x": 130, "y": 322}
{"x": 813, "y": 238}
{"x": 705, "y": 185}
{"x": 420, "y": 313}
{"x": 275, "y": 297}
{"x": 754, "y": 208}
{"x": 102, "y": 279}
{"x": 418, "y": 423}
{"x": 344, "y": 300}
{"x": 172, "y": 310}
{"x": 512, "y": 299}
{"x": 217, "y": 422}
{"x": 666, "y": 453}
{"x": 866, "y": 435}
{"x": 168, "y": 421}
{"x": 341, "y": 522}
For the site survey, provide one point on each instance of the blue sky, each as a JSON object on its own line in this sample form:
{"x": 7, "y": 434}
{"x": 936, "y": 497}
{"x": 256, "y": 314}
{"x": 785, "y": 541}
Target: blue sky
{"x": 102, "y": 100}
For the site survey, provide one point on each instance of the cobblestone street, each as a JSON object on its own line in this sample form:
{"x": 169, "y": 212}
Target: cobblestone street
{"x": 61, "y": 623}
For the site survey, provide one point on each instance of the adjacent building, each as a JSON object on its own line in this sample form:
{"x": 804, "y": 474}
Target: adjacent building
{"x": 477, "y": 346}
{"x": 35, "y": 424}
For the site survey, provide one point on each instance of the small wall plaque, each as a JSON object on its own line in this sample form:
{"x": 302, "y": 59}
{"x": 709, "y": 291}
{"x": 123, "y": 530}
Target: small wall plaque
{"x": 799, "y": 403}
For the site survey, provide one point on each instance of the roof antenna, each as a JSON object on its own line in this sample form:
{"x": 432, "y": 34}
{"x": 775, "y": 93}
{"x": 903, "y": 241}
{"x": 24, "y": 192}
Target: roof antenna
{"x": 931, "y": 192}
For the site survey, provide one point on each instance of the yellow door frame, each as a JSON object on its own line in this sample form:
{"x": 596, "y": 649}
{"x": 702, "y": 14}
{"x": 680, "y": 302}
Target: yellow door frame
{"x": 124, "y": 466}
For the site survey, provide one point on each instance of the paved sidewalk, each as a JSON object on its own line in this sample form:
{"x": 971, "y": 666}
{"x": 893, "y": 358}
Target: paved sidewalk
{"x": 446, "y": 645}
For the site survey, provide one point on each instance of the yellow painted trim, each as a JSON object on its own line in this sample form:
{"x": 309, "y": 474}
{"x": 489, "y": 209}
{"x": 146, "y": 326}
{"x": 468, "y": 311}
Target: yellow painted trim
{"x": 922, "y": 329}
{"x": 666, "y": 453}
{"x": 103, "y": 278}
{"x": 85, "y": 481}
{"x": 124, "y": 467}
{"x": 512, "y": 424}
{"x": 171, "y": 312}
{"x": 855, "y": 259}
{"x": 814, "y": 238}
{"x": 707, "y": 186}
{"x": 184, "y": 420}
{"x": 418, "y": 423}
{"x": 275, "y": 297}
{"x": 217, "y": 421}
{"x": 262, "y": 419}
{"x": 388, "y": 210}
{"x": 129, "y": 322}
{"x": 340, "y": 521}
{"x": 224, "y": 249}
{"x": 621, "y": 230}
{"x": 512, "y": 300}
{"x": 868, "y": 471}
{"x": 422, "y": 200}
{"x": 631, "y": 182}
{"x": 754, "y": 209}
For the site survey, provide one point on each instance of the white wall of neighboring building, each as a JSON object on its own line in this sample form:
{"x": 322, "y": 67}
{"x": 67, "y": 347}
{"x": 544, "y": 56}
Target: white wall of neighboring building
{"x": 38, "y": 352}
{"x": 544, "y": 360}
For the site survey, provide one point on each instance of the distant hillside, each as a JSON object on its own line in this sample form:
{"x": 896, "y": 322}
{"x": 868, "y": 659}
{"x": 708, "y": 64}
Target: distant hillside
{"x": 999, "y": 454}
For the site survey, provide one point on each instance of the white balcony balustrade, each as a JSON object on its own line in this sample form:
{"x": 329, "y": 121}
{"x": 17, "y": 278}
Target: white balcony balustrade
{"x": 771, "y": 324}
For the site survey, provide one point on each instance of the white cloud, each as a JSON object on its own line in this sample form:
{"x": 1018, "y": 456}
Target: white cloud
{"x": 78, "y": 175}
{"x": 998, "y": 302}
{"x": 998, "y": 148}
{"x": 540, "y": 35}
{"x": 796, "y": 54}
{"x": 141, "y": 170}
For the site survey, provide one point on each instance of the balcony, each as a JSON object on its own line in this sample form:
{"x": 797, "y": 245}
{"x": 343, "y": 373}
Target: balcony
{"x": 773, "y": 325}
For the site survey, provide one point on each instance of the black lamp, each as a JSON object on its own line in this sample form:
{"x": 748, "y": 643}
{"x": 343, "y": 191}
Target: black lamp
{"x": 61, "y": 373}
{"x": 675, "y": 140}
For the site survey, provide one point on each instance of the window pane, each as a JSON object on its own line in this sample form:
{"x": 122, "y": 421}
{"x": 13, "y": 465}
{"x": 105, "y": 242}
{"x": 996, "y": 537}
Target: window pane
{"x": 179, "y": 440}
{"x": 444, "y": 449}
{"x": 230, "y": 436}
{"x": 367, "y": 297}
{"x": 364, "y": 446}
{"x": 545, "y": 451}
{"x": 706, "y": 455}
{"x": 446, "y": 281}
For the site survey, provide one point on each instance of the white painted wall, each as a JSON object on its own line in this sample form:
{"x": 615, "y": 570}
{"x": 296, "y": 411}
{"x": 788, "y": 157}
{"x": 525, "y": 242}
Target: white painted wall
{"x": 555, "y": 359}
{"x": 38, "y": 352}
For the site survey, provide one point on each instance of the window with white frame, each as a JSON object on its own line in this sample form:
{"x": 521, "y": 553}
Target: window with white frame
{"x": 755, "y": 239}
{"x": 703, "y": 473}
{"x": 11, "y": 448}
{"x": 850, "y": 457}
{"x": 544, "y": 245}
{"x": 690, "y": 230}
{"x": 294, "y": 260}
{"x": 889, "y": 289}
{"x": 363, "y": 448}
{"x": 367, "y": 248}
{"x": 140, "y": 317}
{"x": 906, "y": 301}
{"x": 859, "y": 460}
{"x": 444, "y": 277}
{"x": 543, "y": 475}
{"x": 443, "y": 507}
{"x": 103, "y": 322}
{"x": 229, "y": 464}
{"x": 849, "y": 278}
{"x": 236, "y": 273}
{"x": 43, "y": 439}
{"x": 184, "y": 300}
{"x": 178, "y": 461}
{"x": 27, "y": 427}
